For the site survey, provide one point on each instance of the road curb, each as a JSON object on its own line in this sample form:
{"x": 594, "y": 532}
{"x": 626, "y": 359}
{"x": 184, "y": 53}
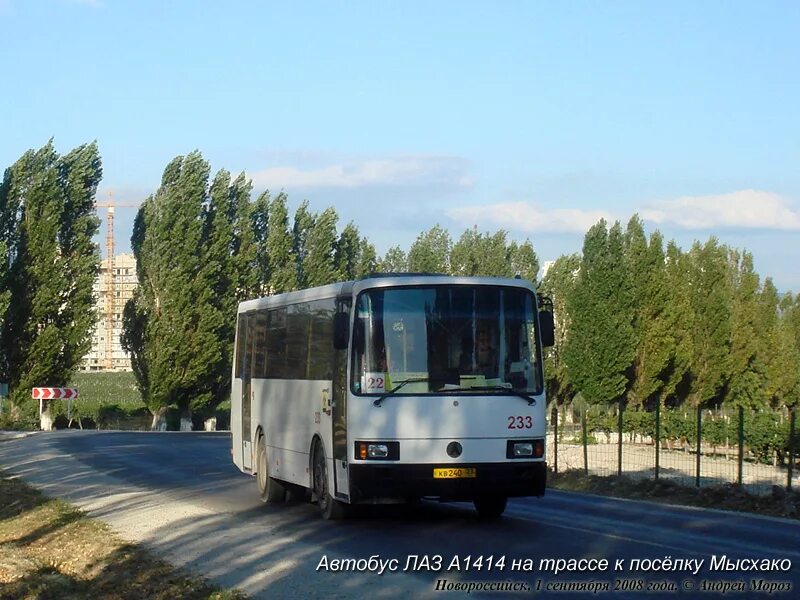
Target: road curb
{"x": 15, "y": 435}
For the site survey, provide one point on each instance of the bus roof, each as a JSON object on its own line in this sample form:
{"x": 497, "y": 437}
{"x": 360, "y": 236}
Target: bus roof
{"x": 379, "y": 280}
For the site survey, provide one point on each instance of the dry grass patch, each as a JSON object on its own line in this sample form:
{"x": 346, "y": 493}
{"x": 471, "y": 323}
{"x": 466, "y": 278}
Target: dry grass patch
{"x": 49, "y": 549}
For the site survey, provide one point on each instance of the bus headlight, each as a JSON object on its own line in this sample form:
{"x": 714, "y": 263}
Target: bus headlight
{"x": 378, "y": 450}
{"x": 525, "y": 448}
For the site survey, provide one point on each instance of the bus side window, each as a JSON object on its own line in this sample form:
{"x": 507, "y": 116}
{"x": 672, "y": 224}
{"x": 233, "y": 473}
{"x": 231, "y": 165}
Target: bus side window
{"x": 240, "y": 343}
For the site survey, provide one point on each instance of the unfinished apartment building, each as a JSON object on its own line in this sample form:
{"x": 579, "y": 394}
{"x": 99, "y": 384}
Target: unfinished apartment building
{"x": 112, "y": 289}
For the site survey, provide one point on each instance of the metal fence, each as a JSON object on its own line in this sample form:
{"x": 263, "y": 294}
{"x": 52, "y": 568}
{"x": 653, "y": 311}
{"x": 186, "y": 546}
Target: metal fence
{"x": 757, "y": 450}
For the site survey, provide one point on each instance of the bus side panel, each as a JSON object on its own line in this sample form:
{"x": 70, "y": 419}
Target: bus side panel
{"x": 236, "y": 423}
{"x": 291, "y": 412}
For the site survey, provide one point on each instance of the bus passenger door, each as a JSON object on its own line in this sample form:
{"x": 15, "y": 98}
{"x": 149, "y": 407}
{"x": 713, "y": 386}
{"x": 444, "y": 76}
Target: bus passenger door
{"x": 339, "y": 412}
{"x": 246, "y": 375}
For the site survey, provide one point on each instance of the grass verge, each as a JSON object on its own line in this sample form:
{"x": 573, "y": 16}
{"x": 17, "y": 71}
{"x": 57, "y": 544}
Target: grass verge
{"x": 726, "y": 497}
{"x": 50, "y": 549}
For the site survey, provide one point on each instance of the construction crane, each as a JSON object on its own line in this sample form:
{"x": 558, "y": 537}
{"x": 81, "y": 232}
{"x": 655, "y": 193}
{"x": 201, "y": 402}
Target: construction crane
{"x": 110, "y": 278}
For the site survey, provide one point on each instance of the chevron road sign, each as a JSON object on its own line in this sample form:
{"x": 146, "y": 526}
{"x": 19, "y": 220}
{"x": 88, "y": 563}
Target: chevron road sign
{"x": 50, "y": 393}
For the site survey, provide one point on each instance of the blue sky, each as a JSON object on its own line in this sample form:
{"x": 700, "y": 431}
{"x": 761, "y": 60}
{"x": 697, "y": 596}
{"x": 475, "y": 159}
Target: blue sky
{"x": 535, "y": 117}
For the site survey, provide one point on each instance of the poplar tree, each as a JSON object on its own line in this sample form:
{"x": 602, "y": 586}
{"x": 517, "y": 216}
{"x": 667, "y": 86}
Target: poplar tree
{"x": 259, "y": 220}
{"x": 394, "y": 261}
{"x": 5, "y": 299}
{"x": 430, "y": 252}
{"x": 648, "y": 303}
{"x": 178, "y": 327}
{"x": 677, "y": 320}
{"x": 600, "y": 347}
{"x": 711, "y": 297}
{"x": 780, "y": 353}
{"x": 790, "y": 307}
{"x": 481, "y": 254}
{"x": 318, "y": 266}
{"x": 746, "y": 386}
{"x": 229, "y": 269}
{"x": 303, "y": 225}
{"x": 347, "y": 253}
{"x": 281, "y": 260}
{"x": 47, "y": 224}
{"x": 523, "y": 260}
{"x": 367, "y": 258}
{"x": 559, "y": 285}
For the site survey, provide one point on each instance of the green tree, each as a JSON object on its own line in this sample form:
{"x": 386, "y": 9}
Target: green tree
{"x": 481, "y": 254}
{"x": 318, "y": 266}
{"x": 600, "y": 347}
{"x": 790, "y": 308}
{"x": 746, "y": 378}
{"x": 5, "y": 300}
{"x": 711, "y": 298}
{"x": 229, "y": 271}
{"x": 48, "y": 222}
{"x": 304, "y": 221}
{"x": 367, "y": 258}
{"x": 523, "y": 260}
{"x": 559, "y": 284}
{"x": 280, "y": 256}
{"x": 677, "y": 320}
{"x": 259, "y": 219}
{"x": 178, "y": 327}
{"x": 394, "y": 261}
{"x": 648, "y": 297}
{"x": 778, "y": 348}
{"x": 430, "y": 252}
{"x": 347, "y": 253}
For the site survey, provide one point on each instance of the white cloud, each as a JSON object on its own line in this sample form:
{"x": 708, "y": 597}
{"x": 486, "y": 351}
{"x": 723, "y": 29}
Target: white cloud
{"x": 403, "y": 171}
{"x": 750, "y": 209}
{"x": 527, "y": 217}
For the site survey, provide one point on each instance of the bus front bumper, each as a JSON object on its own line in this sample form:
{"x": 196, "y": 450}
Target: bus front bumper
{"x": 415, "y": 481}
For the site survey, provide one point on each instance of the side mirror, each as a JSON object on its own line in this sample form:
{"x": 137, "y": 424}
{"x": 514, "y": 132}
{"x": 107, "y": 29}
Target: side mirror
{"x": 341, "y": 326}
{"x": 547, "y": 328}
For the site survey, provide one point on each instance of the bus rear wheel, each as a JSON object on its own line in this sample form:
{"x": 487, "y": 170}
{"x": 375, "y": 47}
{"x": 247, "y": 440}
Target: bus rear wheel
{"x": 330, "y": 508}
{"x": 269, "y": 489}
{"x": 490, "y": 507}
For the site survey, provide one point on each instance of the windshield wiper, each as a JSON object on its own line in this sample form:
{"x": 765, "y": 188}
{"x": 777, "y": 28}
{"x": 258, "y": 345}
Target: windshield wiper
{"x": 400, "y": 384}
{"x": 509, "y": 391}
{"x": 481, "y": 388}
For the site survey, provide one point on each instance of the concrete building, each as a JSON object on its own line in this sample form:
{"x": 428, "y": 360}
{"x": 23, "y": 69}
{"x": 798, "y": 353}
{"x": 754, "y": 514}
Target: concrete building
{"x": 111, "y": 291}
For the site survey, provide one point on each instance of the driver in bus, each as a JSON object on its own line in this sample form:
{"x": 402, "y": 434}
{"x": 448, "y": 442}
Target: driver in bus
{"x": 485, "y": 356}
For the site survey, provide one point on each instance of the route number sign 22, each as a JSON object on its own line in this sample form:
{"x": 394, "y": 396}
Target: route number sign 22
{"x": 375, "y": 383}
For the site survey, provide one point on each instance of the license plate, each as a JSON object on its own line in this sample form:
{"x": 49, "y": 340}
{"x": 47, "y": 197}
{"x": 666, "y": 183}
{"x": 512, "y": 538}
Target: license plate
{"x": 458, "y": 473}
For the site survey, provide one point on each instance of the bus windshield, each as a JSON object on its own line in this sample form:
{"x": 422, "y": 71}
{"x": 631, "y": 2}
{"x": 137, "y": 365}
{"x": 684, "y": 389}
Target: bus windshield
{"x": 446, "y": 338}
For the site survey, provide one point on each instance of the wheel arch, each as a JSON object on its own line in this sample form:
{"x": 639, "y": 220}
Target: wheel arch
{"x": 315, "y": 440}
{"x": 254, "y": 447}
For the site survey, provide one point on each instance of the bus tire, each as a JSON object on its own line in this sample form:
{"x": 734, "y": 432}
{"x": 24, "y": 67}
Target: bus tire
{"x": 330, "y": 508}
{"x": 490, "y": 507}
{"x": 269, "y": 489}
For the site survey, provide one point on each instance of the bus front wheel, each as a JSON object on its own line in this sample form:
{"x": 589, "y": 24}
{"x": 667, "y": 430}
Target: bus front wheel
{"x": 329, "y": 508}
{"x": 490, "y": 507}
{"x": 269, "y": 489}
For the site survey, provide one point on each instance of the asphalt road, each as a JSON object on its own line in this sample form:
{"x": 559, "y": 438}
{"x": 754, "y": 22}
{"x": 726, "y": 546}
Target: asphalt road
{"x": 179, "y": 494}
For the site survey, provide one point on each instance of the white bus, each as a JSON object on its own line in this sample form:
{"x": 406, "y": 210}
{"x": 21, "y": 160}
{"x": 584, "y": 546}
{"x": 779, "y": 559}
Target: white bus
{"x": 393, "y": 388}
